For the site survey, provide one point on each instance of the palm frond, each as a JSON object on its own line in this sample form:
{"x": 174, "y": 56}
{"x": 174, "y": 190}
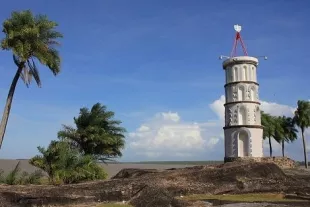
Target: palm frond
{"x": 34, "y": 71}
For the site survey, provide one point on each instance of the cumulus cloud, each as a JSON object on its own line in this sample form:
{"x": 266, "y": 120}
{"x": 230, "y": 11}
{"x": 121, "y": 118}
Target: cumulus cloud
{"x": 167, "y": 135}
{"x": 276, "y": 109}
{"x": 218, "y": 107}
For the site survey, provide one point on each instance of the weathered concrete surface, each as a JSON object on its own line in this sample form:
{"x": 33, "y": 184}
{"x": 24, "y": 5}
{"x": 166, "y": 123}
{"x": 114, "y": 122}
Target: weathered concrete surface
{"x": 220, "y": 179}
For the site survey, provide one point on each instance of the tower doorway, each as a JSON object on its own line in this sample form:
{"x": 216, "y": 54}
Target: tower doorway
{"x": 243, "y": 144}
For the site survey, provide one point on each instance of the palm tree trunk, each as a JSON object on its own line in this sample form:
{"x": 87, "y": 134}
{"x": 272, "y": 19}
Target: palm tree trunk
{"x": 282, "y": 148}
{"x": 7, "y": 108}
{"x": 305, "y": 147}
{"x": 270, "y": 147}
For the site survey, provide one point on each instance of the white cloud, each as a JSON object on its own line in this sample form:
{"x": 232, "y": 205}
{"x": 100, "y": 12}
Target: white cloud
{"x": 167, "y": 135}
{"x": 169, "y": 116}
{"x": 218, "y": 107}
{"x": 276, "y": 109}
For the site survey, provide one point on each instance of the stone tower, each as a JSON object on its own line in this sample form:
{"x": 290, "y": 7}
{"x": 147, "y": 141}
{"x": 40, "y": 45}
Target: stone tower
{"x": 243, "y": 131}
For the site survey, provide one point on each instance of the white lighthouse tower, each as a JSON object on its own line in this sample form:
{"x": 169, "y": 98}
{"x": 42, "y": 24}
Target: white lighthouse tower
{"x": 243, "y": 130}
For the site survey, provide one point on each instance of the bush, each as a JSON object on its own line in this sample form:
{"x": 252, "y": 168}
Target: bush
{"x": 66, "y": 165}
{"x": 81, "y": 168}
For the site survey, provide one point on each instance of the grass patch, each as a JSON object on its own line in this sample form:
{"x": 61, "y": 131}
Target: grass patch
{"x": 251, "y": 197}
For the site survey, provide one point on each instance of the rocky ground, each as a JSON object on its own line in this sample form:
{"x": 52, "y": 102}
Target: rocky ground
{"x": 150, "y": 188}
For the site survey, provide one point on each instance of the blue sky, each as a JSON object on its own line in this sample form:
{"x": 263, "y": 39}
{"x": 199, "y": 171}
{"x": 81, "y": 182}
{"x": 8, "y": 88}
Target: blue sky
{"x": 149, "y": 60}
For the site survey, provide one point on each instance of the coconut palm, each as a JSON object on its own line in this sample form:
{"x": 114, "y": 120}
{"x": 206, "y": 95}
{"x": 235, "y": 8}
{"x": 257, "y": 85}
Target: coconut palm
{"x": 31, "y": 39}
{"x": 96, "y": 133}
{"x": 302, "y": 120}
{"x": 269, "y": 128}
{"x": 279, "y": 134}
{"x": 285, "y": 131}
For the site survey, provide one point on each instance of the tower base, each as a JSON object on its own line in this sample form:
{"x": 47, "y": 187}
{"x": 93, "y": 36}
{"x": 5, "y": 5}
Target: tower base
{"x": 242, "y": 159}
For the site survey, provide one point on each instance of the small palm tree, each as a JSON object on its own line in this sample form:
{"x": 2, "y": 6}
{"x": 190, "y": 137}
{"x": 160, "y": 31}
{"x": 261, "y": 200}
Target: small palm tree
{"x": 269, "y": 128}
{"x": 302, "y": 120}
{"x": 31, "y": 39}
{"x": 97, "y": 133}
{"x": 49, "y": 159}
{"x": 65, "y": 164}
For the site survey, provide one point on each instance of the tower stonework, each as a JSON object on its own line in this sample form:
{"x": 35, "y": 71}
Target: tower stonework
{"x": 243, "y": 131}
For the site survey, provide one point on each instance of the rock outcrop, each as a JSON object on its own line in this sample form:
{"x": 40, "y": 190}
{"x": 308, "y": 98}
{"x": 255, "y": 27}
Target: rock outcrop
{"x": 282, "y": 162}
{"x": 136, "y": 185}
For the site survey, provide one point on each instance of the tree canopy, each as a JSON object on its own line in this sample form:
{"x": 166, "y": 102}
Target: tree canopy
{"x": 32, "y": 37}
{"x": 96, "y": 133}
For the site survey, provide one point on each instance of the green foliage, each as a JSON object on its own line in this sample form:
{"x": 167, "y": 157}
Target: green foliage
{"x": 32, "y": 178}
{"x": 280, "y": 128}
{"x": 288, "y": 129}
{"x": 302, "y": 115}
{"x": 64, "y": 164}
{"x": 269, "y": 125}
{"x": 31, "y": 38}
{"x": 302, "y": 120}
{"x": 47, "y": 161}
{"x": 12, "y": 177}
{"x": 96, "y": 133}
{"x": 285, "y": 130}
{"x": 268, "y": 122}
{"x": 16, "y": 177}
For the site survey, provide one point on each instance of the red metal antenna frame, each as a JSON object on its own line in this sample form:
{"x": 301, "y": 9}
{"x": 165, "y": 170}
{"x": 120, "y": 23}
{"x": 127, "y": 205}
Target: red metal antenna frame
{"x": 234, "y": 50}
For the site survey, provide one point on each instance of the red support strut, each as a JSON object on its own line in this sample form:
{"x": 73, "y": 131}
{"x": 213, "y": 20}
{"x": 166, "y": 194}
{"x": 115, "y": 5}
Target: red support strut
{"x": 234, "y": 50}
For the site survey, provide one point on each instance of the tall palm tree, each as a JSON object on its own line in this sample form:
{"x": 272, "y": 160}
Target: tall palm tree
{"x": 269, "y": 128}
{"x": 279, "y": 134}
{"x": 31, "y": 39}
{"x": 285, "y": 131}
{"x": 302, "y": 120}
{"x": 290, "y": 131}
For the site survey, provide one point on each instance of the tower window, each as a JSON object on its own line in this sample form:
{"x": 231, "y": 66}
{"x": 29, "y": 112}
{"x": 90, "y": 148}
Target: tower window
{"x": 244, "y": 73}
{"x": 242, "y": 116}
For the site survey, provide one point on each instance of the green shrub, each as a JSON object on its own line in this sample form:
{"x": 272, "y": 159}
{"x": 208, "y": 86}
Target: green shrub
{"x": 81, "y": 168}
{"x": 16, "y": 177}
{"x": 64, "y": 164}
{"x": 12, "y": 178}
{"x": 32, "y": 178}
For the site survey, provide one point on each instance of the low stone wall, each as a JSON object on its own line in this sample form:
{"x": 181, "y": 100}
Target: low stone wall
{"x": 283, "y": 162}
